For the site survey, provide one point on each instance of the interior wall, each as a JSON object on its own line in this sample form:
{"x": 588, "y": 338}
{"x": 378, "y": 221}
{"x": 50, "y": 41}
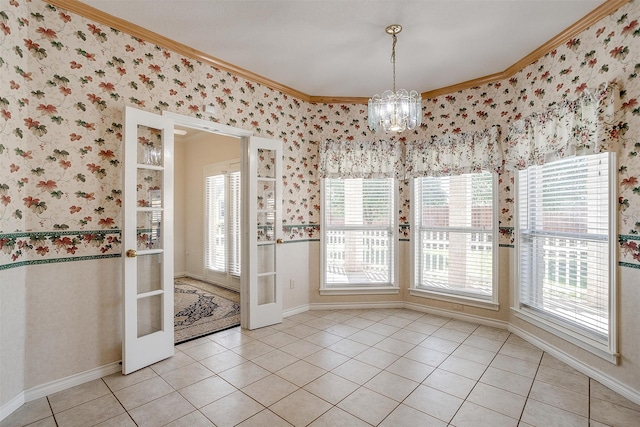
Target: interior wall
{"x": 77, "y": 142}
{"x": 87, "y": 320}
{"x": 199, "y": 150}
{"x": 179, "y": 207}
{"x": 67, "y": 218}
{"x": 13, "y": 315}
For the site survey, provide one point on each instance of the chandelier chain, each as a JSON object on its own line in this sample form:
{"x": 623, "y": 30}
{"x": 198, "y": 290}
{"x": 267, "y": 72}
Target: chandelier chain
{"x": 393, "y": 59}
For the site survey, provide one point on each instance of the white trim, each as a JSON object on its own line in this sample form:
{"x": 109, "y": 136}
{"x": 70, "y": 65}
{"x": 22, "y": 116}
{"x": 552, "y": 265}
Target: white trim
{"x": 364, "y": 290}
{"x": 568, "y": 335}
{"x": 578, "y": 365}
{"x": 606, "y": 350}
{"x": 55, "y": 386}
{"x": 11, "y": 406}
{"x": 296, "y": 310}
{"x": 202, "y": 279}
{"x": 501, "y": 324}
{"x": 470, "y": 300}
{"x": 71, "y": 381}
{"x": 613, "y": 255}
{"x": 206, "y": 126}
{"x": 457, "y": 299}
{"x": 354, "y": 305}
{"x": 345, "y": 289}
{"x": 495, "y": 323}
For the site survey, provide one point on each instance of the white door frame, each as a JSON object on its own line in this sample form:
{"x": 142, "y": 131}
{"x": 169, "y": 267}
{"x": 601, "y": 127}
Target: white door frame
{"x": 243, "y": 135}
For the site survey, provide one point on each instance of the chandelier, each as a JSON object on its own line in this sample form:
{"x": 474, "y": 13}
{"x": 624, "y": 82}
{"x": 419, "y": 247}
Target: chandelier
{"x": 395, "y": 111}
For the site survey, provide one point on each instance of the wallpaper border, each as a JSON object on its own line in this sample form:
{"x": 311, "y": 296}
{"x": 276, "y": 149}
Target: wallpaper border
{"x": 56, "y": 260}
{"x": 622, "y": 238}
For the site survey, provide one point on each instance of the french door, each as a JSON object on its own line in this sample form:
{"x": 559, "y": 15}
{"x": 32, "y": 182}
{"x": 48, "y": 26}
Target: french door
{"x": 262, "y": 221}
{"x": 148, "y": 240}
{"x": 148, "y": 233}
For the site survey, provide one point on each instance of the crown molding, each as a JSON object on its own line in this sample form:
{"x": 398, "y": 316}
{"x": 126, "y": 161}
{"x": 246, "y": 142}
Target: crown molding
{"x": 82, "y": 9}
{"x": 127, "y": 27}
{"x": 338, "y": 100}
{"x": 605, "y": 9}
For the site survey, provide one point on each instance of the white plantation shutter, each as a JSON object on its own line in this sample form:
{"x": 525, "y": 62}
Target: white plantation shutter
{"x": 359, "y": 224}
{"x": 454, "y": 235}
{"x": 216, "y": 232}
{"x": 235, "y": 212}
{"x": 564, "y": 229}
{"x": 223, "y": 216}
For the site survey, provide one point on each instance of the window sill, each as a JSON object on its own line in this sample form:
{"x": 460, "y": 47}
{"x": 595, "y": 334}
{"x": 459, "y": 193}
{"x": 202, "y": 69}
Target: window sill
{"x": 472, "y": 302}
{"x": 386, "y": 290}
{"x": 584, "y": 342}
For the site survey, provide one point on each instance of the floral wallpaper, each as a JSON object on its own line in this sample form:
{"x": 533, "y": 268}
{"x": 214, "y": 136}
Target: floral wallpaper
{"x": 65, "y": 81}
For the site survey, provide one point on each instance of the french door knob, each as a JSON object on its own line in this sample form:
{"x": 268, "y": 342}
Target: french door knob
{"x": 131, "y": 253}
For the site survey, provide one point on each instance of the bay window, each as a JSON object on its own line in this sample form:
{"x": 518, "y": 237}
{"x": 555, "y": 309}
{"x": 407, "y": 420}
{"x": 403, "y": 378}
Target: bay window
{"x": 454, "y": 238}
{"x": 358, "y": 233}
{"x": 566, "y": 250}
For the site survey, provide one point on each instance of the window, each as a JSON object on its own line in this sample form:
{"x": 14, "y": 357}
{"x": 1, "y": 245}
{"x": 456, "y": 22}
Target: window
{"x": 222, "y": 219}
{"x": 565, "y": 224}
{"x": 454, "y": 238}
{"x": 358, "y": 233}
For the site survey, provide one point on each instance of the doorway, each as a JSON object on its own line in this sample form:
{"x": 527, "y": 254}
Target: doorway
{"x": 207, "y": 295}
{"x": 261, "y": 175}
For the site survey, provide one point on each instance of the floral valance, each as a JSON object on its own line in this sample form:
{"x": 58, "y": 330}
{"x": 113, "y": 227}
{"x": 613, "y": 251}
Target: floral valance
{"x": 587, "y": 125}
{"x": 452, "y": 154}
{"x": 369, "y": 159}
{"x": 592, "y": 123}
{"x": 455, "y": 154}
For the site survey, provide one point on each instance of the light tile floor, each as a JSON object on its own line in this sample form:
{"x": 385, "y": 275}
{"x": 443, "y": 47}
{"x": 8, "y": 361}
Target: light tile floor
{"x": 382, "y": 367}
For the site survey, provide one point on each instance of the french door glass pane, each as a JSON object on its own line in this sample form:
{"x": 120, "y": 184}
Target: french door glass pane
{"x": 266, "y": 289}
{"x": 149, "y": 272}
{"x": 149, "y": 315}
{"x": 149, "y": 149}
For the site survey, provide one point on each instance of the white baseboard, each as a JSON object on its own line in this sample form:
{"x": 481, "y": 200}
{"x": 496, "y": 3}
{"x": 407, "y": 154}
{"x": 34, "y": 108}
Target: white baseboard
{"x": 354, "y": 305}
{"x": 579, "y": 366}
{"x": 71, "y": 381}
{"x": 57, "y": 385}
{"x": 296, "y": 310}
{"x": 179, "y": 274}
{"x": 202, "y": 279}
{"x": 501, "y": 324}
{"x": 9, "y": 407}
{"x": 411, "y": 306}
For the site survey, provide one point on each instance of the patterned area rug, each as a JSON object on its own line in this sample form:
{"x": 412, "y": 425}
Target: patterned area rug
{"x": 202, "y": 308}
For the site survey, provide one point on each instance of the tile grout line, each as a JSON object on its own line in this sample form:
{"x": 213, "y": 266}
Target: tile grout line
{"x": 398, "y": 403}
{"x": 477, "y": 381}
{"x": 55, "y": 420}
{"x": 531, "y": 386}
{"x": 589, "y": 401}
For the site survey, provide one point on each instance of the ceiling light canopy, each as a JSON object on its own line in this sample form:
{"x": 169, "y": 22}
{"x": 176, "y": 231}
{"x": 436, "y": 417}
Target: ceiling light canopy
{"x": 395, "y": 111}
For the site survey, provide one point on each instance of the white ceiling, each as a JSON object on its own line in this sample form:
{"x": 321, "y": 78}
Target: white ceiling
{"x": 339, "y": 47}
